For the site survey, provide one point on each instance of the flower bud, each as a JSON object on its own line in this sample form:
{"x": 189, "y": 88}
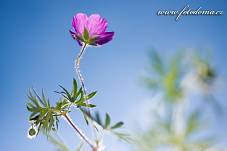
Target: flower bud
{"x": 32, "y": 132}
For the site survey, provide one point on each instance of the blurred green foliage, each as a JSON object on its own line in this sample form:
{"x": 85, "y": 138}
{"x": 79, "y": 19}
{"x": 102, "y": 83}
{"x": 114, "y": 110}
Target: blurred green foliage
{"x": 177, "y": 128}
{"x": 166, "y": 77}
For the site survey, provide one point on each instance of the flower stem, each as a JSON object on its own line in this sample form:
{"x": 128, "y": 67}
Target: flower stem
{"x": 79, "y": 131}
{"x": 77, "y": 68}
{"x": 86, "y": 111}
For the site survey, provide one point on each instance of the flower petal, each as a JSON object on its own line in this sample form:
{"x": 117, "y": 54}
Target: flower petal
{"x": 79, "y": 23}
{"x": 96, "y": 25}
{"x": 104, "y": 38}
{"x": 74, "y": 36}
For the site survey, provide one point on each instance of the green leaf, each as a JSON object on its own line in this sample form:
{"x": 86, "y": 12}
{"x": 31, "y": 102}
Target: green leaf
{"x": 90, "y": 105}
{"x": 91, "y": 95}
{"x": 33, "y": 99}
{"x": 193, "y": 123}
{"x": 46, "y": 101}
{"x": 156, "y": 62}
{"x": 30, "y": 105}
{"x": 124, "y": 136}
{"x": 98, "y": 118}
{"x": 80, "y": 92}
{"x": 117, "y": 125}
{"x": 42, "y": 114}
{"x": 67, "y": 93}
{"x": 74, "y": 88}
{"x": 107, "y": 121}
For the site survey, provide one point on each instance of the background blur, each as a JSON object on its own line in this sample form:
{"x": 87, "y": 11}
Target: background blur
{"x": 38, "y": 51}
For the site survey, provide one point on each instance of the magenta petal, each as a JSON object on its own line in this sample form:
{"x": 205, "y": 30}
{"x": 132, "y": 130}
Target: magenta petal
{"x": 73, "y": 34}
{"x": 79, "y": 23}
{"x": 96, "y": 25}
{"x": 104, "y": 38}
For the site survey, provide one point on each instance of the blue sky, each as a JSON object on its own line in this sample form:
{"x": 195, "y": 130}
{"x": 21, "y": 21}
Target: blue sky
{"x": 37, "y": 51}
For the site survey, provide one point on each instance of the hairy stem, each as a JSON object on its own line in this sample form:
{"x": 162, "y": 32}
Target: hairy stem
{"x": 79, "y": 131}
{"x": 79, "y": 75}
{"x": 86, "y": 111}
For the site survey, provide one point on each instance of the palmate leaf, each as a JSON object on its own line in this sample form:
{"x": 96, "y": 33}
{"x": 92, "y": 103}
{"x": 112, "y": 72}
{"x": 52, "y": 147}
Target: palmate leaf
{"x": 76, "y": 97}
{"x": 42, "y": 114}
{"x": 112, "y": 128}
{"x": 107, "y": 124}
{"x": 166, "y": 76}
{"x": 44, "y": 117}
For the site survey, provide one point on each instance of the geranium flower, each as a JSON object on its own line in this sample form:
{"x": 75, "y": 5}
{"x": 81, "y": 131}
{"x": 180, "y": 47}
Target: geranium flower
{"x": 90, "y": 30}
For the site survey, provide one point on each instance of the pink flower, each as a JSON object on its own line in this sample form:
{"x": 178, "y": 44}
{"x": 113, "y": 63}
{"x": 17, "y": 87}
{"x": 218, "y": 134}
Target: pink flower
{"x": 90, "y": 30}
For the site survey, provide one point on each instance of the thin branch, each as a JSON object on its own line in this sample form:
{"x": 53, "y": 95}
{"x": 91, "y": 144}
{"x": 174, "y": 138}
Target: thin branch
{"x": 79, "y": 131}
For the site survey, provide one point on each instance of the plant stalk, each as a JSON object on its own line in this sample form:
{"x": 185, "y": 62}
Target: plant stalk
{"x": 79, "y": 75}
{"x": 79, "y": 131}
